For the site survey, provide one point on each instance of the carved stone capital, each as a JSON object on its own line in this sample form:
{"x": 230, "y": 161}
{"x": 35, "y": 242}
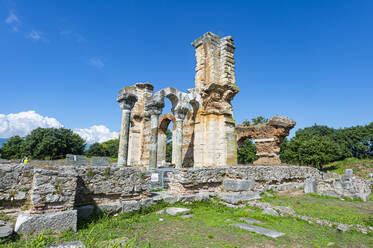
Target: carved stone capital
{"x": 126, "y": 100}
{"x": 181, "y": 110}
{"x": 216, "y": 98}
{"x": 154, "y": 105}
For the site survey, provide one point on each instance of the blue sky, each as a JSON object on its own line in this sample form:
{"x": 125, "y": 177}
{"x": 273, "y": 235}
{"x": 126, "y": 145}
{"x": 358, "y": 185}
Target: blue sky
{"x": 309, "y": 60}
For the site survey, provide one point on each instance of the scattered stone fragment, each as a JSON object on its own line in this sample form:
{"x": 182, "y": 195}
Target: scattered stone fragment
{"x": 269, "y": 194}
{"x": 74, "y": 244}
{"x": 259, "y": 230}
{"x": 160, "y": 211}
{"x": 310, "y": 186}
{"x": 270, "y": 211}
{"x": 160, "y": 219}
{"x": 342, "y": 227}
{"x": 330, "y": 244}
{"x": 228, "y": 220}
{"x": 251, "y": 221}
{"x": 6, "y": 229}
{"x": 146, "y": 202}
{"x": 114, "y": 243}
{"x": 187, "y": 216}
{"x": 176, "y": 211}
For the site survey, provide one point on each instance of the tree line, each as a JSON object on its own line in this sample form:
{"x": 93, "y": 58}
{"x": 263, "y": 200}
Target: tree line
{"x": 313, "y": 146}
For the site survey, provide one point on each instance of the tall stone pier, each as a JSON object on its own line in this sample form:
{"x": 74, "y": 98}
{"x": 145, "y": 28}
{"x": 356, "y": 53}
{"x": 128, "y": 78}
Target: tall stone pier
{"x": 215, "y": 134}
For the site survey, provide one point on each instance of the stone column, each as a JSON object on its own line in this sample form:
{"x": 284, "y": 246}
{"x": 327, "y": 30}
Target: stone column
{"x": 180, "y": 113}
{"x": 126, "y": 101}
{"x": 154, "y": 108}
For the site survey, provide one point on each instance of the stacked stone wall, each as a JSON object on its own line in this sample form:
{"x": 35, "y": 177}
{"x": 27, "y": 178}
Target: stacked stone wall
{"x": 193, "y": 180}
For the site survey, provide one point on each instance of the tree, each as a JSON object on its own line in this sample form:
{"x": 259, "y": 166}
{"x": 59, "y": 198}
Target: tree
{"x": 12, "y": 149}
{"x": 96, "y": 149}
{"x": 169, "y": 146}
{"x": 254, "y": 121}
{"x": 247, "y": 152}
{"x": 111, "y": 148}
{"x": 52, "y": 143}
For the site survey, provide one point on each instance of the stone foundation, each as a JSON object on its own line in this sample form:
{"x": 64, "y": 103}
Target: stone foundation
{"x": 239, "y": 178}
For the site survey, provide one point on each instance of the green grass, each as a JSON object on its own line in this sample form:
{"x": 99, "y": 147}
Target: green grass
{"x": 208, "y": 228}
{"x": 361, "y": 167}
{"x": 327, "y": 208}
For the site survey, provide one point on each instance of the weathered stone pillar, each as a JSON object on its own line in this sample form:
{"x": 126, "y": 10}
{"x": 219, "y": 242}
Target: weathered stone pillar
{"x": 154, "y": 108}
{"x": 126, "y": 101}
{"x": 180, "y": 113}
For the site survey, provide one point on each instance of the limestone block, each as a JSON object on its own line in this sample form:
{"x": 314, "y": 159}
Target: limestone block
{"x": 54, "y": 222}
{"x": 238, "y": 184}
{"x": 259, "y": 230}
{"x": 6, "y": 229}
{"x": 310, "y": 186}
{"x": 111, "y": 208}
{"x": 74, "y": 244}
{"x": 270, "y": 211}
{"x": 130, "y": 206}
{"x": 176, "y": 211}
{"x": 235, "y": 198}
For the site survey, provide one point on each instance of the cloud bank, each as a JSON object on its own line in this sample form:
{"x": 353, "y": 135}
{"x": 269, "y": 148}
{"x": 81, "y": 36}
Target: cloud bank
{"x": 96, "y": 133}
{"x": 24, "y": 122}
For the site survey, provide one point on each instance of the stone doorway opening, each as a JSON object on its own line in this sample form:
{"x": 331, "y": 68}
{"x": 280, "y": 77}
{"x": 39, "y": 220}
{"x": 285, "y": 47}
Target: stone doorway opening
{"x": 165, "y": 140}
{"x": 246, "y": 150}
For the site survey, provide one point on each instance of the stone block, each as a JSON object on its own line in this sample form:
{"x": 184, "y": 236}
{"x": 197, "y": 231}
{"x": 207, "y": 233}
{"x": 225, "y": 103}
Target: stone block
{"x": 186, "y": 198}
{"x": 176, "y": 211}
{"x": 202, "y": 196}
{"x": 147, "y": 202}
{"x": 237, "y": 185}
{"x": 251, "y": 221}
{"x": 74, "y": 244}
{"x": 85, "y": 211}
{"x": 6, "y": 229}
{"x": 54, "y": 222}
{"x": 237, "y": 197}
{"x": 259, "y": 230}
{"x": 310, "y": 186}
{"x": 270, "y": 211}
{"x": 110, "y": 208}
{"x": 130, "y": 206}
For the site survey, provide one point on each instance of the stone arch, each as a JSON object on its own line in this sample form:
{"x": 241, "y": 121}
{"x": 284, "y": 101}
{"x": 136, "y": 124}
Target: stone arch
{"x": 163, "y": 124}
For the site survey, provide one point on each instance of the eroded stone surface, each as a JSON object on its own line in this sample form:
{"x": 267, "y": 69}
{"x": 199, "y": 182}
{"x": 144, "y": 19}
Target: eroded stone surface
{"x": 270, "y": 211}
{"x": 74, "y": 244}
{"x": 55, "y": 222}
{"x": 259, "y": 230}
{"x": 177, "y": 211}
{"x": 251, "y": 220}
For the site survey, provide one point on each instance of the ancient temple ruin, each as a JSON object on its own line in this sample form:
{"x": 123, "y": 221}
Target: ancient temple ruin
{"x": 204, "y": 130}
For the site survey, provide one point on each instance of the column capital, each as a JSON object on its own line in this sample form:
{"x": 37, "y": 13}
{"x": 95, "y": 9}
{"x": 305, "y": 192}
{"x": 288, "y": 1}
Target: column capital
{"x": 154, "y": 105}
{"x": 126, "y": 100}
{"x": 180, "y": 111}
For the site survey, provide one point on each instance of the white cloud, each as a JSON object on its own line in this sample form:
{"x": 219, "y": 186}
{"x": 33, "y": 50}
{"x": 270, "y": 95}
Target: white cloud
{"x": 96, "y": 62}
{"x": 69, "y": 33}
{"x": 97, "y": 133}
{"x": 23, "y": 123}
{"x": 35, "y": 35}
{"x": 12, "y": 19}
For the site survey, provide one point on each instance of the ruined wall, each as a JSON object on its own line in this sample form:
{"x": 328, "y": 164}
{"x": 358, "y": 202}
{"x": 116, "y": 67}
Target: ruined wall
{"x": 267, "y": 138}
{"x": 215, "y": 133}
{"x": 15, "y": 184}
{"x": 254, "y": 178}
{"x": 60, "y": 188}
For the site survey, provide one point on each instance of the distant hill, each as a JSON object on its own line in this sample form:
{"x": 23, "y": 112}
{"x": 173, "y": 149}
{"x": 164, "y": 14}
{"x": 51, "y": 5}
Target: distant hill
{"x": 3, "y": 140}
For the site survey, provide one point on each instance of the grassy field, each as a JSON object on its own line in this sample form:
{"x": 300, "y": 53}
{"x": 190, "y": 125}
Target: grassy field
{"x": 209, "y": 226}
{"x": 361, "y": 167}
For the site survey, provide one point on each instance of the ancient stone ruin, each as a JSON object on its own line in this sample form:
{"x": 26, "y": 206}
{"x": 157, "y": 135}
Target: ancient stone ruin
{"x": 205, "y": 133}
{"x": 52, "y": 197}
